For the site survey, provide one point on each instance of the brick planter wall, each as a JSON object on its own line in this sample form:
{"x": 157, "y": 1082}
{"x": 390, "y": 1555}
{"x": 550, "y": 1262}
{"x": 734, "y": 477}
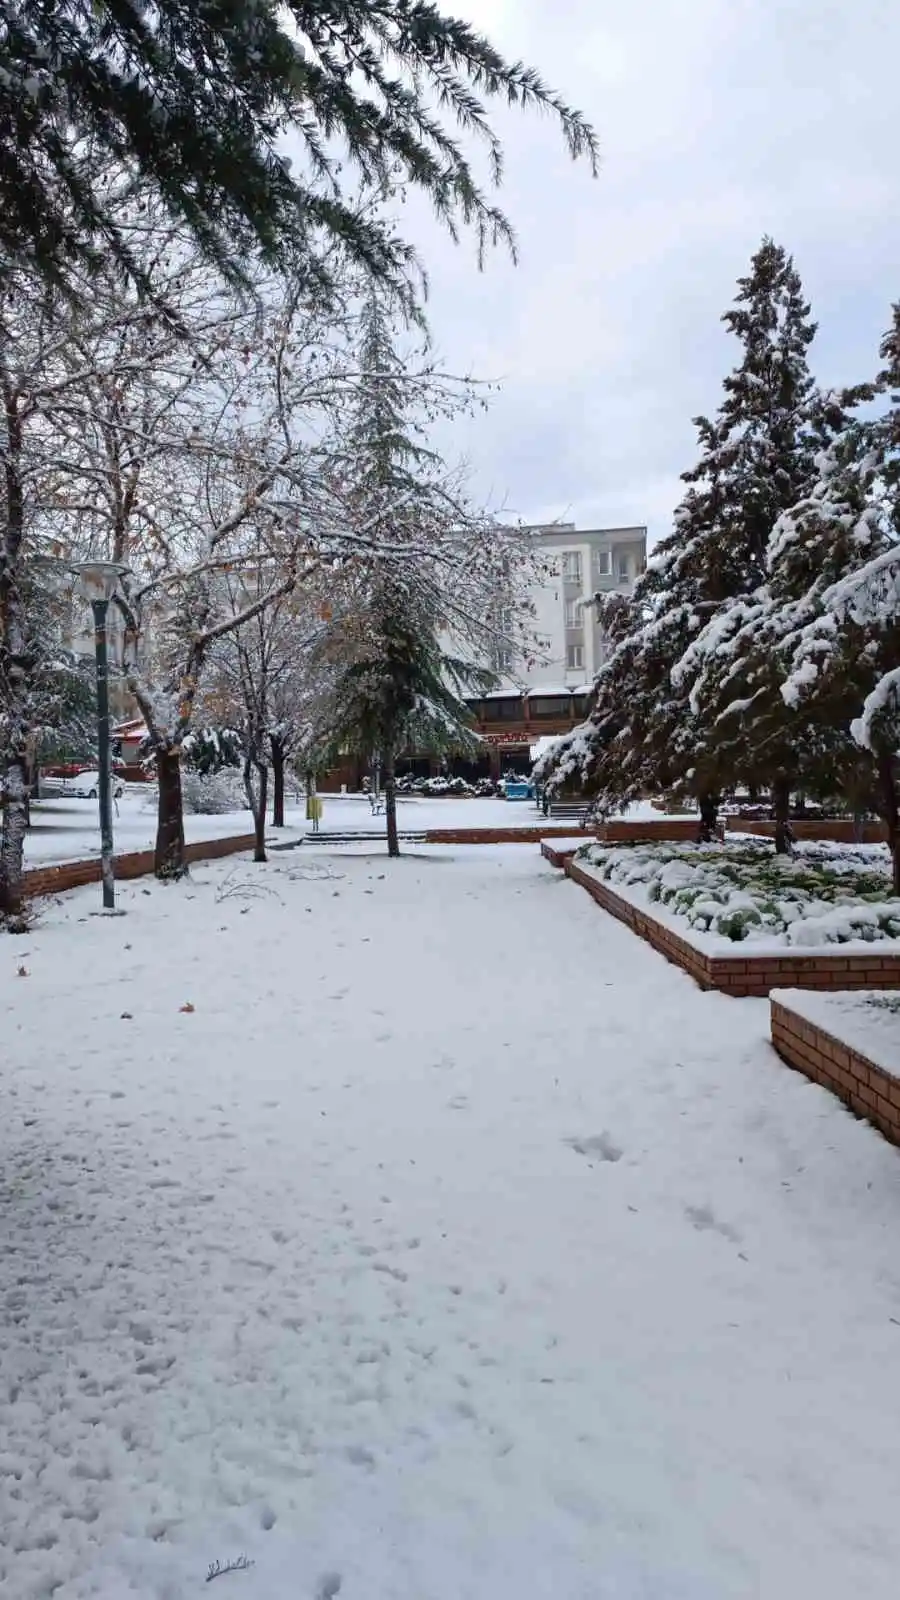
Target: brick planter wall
{"x": 741, "y": 975}
{"x": 134, "y": 864}
{"x": 835, "y": 831}
{"x": 499, "y": 835}
{"x": 862, "y": 1085}
{"x": 607, "y": 832}
{"x": 656, "y": 933}
{"x": 557, "y": 855}
{"x": 649, "y": 829}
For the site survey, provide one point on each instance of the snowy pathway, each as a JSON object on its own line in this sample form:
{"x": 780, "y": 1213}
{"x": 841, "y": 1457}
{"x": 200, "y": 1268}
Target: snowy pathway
{"x": 453, "y": 1247}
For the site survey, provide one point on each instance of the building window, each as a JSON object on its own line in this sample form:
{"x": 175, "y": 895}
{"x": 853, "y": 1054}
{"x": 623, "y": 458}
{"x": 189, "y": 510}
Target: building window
{"x": 575, "y": 658}
{"x": 549, "y": 706}
{"x": 502, "y": 660}
{"x": 507, "y": 709}
{"x": 571, "y": 566}
{"x": 623, "y": 569}
{"x": 574, "y": 614}
{"x": 603, "y": 561}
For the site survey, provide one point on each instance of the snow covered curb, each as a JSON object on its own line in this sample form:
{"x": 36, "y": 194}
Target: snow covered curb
{"x": 847, "y": 1042}
{"x": 744, "y": 898}
{"x": 757, "y": 973}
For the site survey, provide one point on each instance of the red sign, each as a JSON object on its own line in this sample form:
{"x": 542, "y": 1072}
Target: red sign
{"x": 506, "y": 738}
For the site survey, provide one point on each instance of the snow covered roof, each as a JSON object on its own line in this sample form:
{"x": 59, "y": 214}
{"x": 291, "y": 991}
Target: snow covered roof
{"x": 537, "y": 691}
{"x": 555, "y": 689}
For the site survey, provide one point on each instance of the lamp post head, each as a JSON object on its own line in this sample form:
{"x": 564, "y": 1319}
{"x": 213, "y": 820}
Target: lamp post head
{"x": 97, "y": 580}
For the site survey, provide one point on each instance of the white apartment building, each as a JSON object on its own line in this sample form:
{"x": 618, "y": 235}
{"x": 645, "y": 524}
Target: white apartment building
{"x": 577, "y": 563}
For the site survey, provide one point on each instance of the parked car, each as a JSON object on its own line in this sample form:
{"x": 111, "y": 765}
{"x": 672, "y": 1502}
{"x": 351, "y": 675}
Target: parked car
{"x": 87, "y": 787}
{"x": 66, "y": 769}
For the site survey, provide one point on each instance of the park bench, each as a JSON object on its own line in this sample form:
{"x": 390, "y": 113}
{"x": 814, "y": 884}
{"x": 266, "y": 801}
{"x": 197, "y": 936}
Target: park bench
{"x": 574, "y": 810}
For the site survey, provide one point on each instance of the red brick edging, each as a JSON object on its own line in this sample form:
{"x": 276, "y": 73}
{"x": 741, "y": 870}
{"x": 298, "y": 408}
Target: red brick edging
{"x": 836, "y": 830}
{"x": 862, "y": 1085}
{"x": 742, "y": 975}
{"x": 557, "y": 855}
{"x": 135, "y": 864}
{"x": 498, "y": 835}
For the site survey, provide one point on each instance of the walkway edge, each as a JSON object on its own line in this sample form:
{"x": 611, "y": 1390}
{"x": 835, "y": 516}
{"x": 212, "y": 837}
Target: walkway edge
{"x": 134, "y": 864}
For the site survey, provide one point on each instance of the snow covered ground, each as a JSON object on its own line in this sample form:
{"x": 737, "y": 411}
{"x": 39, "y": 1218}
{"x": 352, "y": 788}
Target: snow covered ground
{"x": 69, "y": 830}
{"x": 419, "y": 1233}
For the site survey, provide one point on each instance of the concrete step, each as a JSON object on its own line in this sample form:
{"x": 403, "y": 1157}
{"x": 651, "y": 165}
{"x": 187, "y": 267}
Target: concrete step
{"x": 347, "y": 838}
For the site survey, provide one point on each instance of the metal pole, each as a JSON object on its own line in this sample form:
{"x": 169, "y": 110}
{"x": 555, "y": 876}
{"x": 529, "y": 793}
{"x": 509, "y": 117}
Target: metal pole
{"x": 104, "y": 749}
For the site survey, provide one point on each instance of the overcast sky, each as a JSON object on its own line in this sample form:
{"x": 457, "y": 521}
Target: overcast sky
{"x": 719, "y": 120}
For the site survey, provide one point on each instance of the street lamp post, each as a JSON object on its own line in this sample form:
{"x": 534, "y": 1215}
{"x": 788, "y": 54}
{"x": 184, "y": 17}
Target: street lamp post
{"x": 97, "y": 581}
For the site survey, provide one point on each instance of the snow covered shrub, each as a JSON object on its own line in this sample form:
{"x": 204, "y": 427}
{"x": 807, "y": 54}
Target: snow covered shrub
{"x": 733, "y": 924}
{"x": 213, "y": 794}
{"x": 826, "y": 894}
{"x": 210, "y": 750}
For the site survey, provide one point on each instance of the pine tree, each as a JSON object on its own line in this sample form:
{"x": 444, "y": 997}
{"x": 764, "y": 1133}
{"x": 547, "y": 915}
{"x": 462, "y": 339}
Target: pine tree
{"x": 195, "y": 100}
{"x": 397, "y": 687}
{"x": 735, "y": 666}
{"x": 400, "y": 691}
{"x": 756, "y": 459}
{"x": 842, "y": 641}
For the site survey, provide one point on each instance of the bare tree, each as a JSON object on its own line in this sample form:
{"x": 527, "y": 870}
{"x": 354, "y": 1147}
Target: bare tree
{"x": 36, "y": 380}
{"x": 185, "y": 452}
{"x": 258, "y": 683}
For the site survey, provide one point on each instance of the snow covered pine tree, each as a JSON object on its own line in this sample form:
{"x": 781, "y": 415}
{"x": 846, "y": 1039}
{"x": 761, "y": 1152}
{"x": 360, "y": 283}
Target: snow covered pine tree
{"x": 396, "y": 685}
{"x": 844, "y": 641}
{"x": 757, "y": 458}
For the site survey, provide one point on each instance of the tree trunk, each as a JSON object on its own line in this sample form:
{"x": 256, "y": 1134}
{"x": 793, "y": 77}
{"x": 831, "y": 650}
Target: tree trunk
{"x": 781, "y": 811}
{"x": 12, "y": 843}
{"x": 277, "y": 783}
{"x": 887, "y": 785}
{"x": 170, "y": 861}
{"x": 14, "y": 670}
{"x": 859, "y": 827}
{"x": 257, "y": 797}
{"x": 390, "y": 805}
{"x": 709, "y": 818}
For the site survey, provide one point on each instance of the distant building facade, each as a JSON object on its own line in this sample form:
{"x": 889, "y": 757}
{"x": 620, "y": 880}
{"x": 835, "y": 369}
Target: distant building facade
{"x": 551, "y": 693}
{"x": 577, "y": 564}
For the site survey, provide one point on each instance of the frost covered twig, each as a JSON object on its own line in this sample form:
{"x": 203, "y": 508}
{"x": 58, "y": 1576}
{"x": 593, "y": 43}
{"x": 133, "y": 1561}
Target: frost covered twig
{"x": 233, "y": 888}
{"x": 217, "y": 1569}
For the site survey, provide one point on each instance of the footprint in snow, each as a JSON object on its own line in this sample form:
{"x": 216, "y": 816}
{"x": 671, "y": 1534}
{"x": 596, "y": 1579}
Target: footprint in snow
{"x": 704, "y": 1220}
{"x": 598, "y": 1146}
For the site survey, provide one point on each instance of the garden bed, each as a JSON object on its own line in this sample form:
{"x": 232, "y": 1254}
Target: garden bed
{"x": 847, "y": 1042}
{"x": 742, "y": 894}
{"x": 621, "y": 880}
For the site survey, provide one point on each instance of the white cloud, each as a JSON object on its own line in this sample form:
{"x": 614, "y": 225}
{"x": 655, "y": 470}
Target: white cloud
{"x": 719, "y": 120}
